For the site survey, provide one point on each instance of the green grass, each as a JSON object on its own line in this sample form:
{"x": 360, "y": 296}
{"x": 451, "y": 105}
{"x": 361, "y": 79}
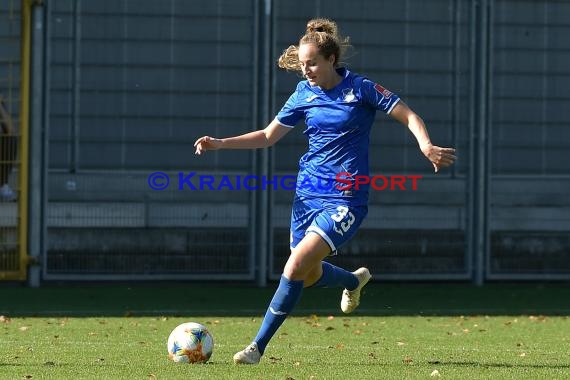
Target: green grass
{"x": 517, "y": 331}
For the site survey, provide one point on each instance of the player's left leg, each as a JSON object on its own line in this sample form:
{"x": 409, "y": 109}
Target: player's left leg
{"x": 337, "y": 224}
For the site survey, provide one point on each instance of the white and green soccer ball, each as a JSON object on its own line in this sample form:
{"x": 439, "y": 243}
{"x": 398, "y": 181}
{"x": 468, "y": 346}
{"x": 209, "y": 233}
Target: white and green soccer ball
{"x": 190, "y": 342}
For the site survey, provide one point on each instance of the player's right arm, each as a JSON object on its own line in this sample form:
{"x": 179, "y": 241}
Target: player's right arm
{"x": 253, "y": 140}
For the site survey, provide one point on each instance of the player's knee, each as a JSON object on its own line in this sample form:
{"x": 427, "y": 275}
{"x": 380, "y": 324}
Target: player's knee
{"x": 295, "y": 270}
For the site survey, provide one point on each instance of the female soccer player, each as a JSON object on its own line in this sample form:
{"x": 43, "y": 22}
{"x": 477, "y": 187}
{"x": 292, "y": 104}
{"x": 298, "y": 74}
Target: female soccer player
{"x": 338, "y": 107}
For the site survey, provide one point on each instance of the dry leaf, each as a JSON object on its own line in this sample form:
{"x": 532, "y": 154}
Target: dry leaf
{"x": 274, "y": 359}
{"x": 297, "y": 364}
{"x": 400, "y": 343}
{"x": 372, "y": 355}
{"x": 522, "y": 355}
{"x": 24, "y": 328}
{"x": 407, "y": 360}
{"x": 435, "y": 373}
{"x": 4, "y": 319}
{"x": 151, "y": 376}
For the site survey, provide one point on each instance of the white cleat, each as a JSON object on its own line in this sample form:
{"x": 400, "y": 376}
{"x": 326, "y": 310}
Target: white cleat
{"x": 351, "y": 298}
{"x": 249, "y": 355}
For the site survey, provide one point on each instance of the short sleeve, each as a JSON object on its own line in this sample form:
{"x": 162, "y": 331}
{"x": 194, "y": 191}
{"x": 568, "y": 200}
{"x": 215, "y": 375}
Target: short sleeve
{"x": 379, "y": 97}
{"x": 290, "y": 114}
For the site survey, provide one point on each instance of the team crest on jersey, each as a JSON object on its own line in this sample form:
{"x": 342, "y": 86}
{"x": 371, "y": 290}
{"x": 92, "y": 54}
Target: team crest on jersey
{"x": 385, "y": 93}
{"x": 348, "y": 95}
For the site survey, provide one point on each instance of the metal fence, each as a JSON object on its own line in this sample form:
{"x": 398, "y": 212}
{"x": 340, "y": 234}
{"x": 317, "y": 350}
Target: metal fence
{"x": 126, "y": 87}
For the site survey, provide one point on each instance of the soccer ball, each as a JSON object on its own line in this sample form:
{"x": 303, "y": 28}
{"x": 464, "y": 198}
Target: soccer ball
{"x": 190, "y": 342}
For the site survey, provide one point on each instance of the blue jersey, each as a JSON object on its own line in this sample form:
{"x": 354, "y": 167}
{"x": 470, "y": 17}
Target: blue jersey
{"x": 338, "y": 127}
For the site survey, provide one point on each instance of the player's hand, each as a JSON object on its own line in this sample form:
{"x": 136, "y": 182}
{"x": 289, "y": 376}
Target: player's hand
{"x": 205, "y": 143}
{"x": 438, "y": 156}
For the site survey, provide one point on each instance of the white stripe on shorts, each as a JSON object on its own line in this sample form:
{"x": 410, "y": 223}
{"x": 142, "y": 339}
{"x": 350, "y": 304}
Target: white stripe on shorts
{"x": 322, "y": 234}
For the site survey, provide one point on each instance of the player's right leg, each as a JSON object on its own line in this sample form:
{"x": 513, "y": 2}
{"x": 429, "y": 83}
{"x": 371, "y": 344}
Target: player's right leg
{"x": 304, "y": 258}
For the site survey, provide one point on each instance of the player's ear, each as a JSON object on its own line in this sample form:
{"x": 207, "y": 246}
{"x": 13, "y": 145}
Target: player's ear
{"x": 332, "y": 59}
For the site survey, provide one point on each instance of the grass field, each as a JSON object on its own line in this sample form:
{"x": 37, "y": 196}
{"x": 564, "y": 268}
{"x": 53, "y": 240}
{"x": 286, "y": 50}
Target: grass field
{"x": 413, "y": 331}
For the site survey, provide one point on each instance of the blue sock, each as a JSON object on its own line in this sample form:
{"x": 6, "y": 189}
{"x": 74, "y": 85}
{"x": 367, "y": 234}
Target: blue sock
{"x": 335, "y": 276}
{"x": 286, "y": 297}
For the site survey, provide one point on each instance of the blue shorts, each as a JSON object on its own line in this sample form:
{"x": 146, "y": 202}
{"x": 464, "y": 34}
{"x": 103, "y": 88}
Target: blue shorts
{"x": 335, "y": 221}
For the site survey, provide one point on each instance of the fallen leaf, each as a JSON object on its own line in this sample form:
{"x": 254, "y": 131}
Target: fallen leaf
{"x": 151, "y": 376}
{"x": 372, "y": 355}
{"x": 274, "y": 359}
{"x": 522, "y": 355}
{"x": 400, "y": 343}
{"x": 435, "y": 373}
{"x": 4, "y": 319}
{"x": 407, "y": 360}
{"x": 297, "y": 364}
{"x": 24, "y": 328}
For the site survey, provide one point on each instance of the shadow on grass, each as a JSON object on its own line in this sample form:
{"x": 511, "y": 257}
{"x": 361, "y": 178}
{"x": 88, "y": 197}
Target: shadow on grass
{"x": 498, "y": 365}
{"x": 238, "y": 299}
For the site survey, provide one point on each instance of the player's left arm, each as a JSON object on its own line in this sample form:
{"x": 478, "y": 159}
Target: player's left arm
{"x": 438, "y": 156}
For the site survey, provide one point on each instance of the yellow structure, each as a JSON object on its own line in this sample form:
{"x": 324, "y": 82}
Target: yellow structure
{"x": 15, "y": 120}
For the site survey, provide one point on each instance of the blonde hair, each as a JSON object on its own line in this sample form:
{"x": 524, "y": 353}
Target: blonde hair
{"x": 321, "y": 32}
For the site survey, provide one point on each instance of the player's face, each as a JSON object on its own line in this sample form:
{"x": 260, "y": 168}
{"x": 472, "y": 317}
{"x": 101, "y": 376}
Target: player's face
{"x": 318, "y": 70}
